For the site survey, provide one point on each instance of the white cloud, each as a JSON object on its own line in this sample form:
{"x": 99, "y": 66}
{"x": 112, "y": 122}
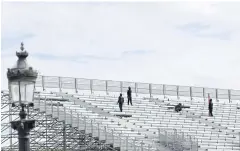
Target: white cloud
{"x": 81, "y": 33}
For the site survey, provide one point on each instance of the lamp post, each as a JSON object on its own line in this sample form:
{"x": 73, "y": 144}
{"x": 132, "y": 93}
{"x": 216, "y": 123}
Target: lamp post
{"x": 21, "y": 84}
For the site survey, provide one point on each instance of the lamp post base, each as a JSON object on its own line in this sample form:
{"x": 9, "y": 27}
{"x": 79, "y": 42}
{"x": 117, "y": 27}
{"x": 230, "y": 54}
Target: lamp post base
{"x": 23, "y": 127}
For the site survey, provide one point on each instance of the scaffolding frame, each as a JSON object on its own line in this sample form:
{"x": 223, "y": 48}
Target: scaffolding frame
{"x": 50, "y": 133}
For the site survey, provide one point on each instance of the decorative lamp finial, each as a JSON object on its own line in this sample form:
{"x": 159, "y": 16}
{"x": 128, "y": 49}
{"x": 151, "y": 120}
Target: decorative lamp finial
{"x": 22, "y": 46}
{"x": 23, "y": 53}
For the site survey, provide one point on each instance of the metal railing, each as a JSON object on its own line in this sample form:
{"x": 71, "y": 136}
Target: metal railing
{"x": 108, "y": 86}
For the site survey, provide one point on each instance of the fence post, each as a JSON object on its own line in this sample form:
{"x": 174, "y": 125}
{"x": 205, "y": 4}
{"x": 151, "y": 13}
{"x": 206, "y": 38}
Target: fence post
{"x": 39, "y": 101}
{"x": 106, "y": 87}
{"x": 177, "y": 92}
{"x": 216, "y": 94}
{"x": 136, "y": 88}
{"x": 43, "y": 81}
{"x": 59, "y": 84}
{"x": 91, "y": 86}
{"x": 150, "y": 90}
{"x": 164, "y": 88}
{"x": 229, "y": 95}
{"x": 204, "y": 94}
{"x": 45, "y": 105}
{"x": 191, "y": 93}
{"x": 52, "y": 106}
{"x": 71, "y": 118}
{"x": 76, "y": 88}
{"x": 35, "y": 85}
{"x": 65, "y": 117}
{"x": 78, "y": 121}
{"x": 209, "y": 97}
{"x": 121, "y": 86}
{"x": 58, "y": 111}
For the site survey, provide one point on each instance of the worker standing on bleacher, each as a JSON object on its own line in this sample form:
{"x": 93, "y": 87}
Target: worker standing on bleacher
{"x": 120, "y": 101}
{"x": 129, "y": 95}
{"x": 210, "y": 107}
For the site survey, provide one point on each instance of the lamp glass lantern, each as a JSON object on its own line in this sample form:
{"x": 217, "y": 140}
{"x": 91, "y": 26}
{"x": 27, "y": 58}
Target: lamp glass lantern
{"x": 22, "y": 91}
{"x": 22, "y": 79}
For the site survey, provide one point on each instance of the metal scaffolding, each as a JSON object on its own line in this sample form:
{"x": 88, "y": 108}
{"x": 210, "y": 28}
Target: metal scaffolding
{"x": 50, "y": 132}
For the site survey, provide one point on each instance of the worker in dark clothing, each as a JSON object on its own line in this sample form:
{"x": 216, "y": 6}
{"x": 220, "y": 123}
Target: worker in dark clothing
{"x": 210, "y": 107}
{"x": 120, "y": 101}
{"x": 178, "y": 107}
{"x": 129, "y": 95}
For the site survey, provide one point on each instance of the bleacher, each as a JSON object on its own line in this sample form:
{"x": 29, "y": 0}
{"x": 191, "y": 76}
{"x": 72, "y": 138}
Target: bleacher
{"x": 147, "y": 125}
{"x": 148, "y": 115}
{"x": 220, "y": 132}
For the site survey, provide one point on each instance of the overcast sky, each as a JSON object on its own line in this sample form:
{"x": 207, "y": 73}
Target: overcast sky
{"x": 195, "y": 44}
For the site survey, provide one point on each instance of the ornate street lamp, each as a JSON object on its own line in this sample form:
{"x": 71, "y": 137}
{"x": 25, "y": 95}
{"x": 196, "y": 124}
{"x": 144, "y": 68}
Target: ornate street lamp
{"x": 21, "y": 83}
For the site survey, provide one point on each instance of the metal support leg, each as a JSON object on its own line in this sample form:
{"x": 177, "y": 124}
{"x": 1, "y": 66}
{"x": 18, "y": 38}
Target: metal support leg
{"x": 159, "y": 136}
{"x": 105, "y": 131}
{"x": 175, "y": 138}
{"x": 134, "y": 144}
{"x": 197, "y": 143}
{"x": 191, "y": 143}
{"x": 64, "y": 136}
{"x": 91, "y": 127}
{"x": 10, "y": 119}
{"x": 239, "y": 139}
{"x": 46, "y": 132}
{"x": 98, "y": 131}
{"x": 120, "y": 141}
{"x": 166, "y": 138}
{"x": 142, "y": 146}
{"x": 149, "y": 147}
{"x": 85, "y": 131}
{"x": 126, "y": 142}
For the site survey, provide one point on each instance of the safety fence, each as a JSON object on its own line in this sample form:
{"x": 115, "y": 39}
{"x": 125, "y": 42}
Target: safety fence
{"x": 138, "y": 88}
